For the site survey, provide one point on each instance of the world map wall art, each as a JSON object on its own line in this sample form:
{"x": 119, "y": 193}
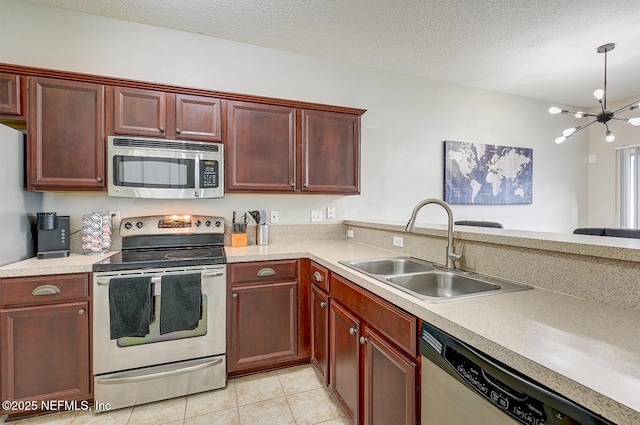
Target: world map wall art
{"x": 479, "y": 174}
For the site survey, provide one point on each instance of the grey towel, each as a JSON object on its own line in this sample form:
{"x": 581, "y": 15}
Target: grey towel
{"x": 130, "y": 306}
{"x": 180, "y": 302}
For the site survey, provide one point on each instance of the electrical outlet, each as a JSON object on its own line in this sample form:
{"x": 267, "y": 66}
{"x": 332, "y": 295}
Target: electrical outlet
{"x": 274, "y": 216}
{"x": 398, "y": 241}
{"x": 331, "y": 213}
{"x": 349, "y": 233}
{"x": 115, "y": 218}
{"x": 316, "y": 216}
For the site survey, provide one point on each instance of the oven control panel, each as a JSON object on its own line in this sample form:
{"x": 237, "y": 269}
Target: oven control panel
{"x": 171, "y": 225}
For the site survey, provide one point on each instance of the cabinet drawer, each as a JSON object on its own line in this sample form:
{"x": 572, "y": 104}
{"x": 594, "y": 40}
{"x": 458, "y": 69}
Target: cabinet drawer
{"x": 319, "y": 276}
{"x": 43, "y": 289}
{"x": 264, "y": 271}
{"x": 395, "y": 324}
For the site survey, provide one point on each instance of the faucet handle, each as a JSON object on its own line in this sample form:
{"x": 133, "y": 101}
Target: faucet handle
{"x": 458, "y": 256}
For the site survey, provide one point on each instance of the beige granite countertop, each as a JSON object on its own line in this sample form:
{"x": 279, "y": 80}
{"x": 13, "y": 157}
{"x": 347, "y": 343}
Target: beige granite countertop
{"x": 587, "y": 351}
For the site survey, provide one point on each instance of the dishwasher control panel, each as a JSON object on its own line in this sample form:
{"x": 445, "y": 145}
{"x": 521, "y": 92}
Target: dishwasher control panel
{"x": 524, "y": 400}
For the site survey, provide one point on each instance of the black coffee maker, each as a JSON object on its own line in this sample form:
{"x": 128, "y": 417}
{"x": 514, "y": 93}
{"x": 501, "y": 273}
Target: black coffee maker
{"x": 52, "y": 235}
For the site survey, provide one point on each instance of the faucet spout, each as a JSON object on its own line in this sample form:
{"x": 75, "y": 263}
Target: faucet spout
{"x": 452, "y": 257}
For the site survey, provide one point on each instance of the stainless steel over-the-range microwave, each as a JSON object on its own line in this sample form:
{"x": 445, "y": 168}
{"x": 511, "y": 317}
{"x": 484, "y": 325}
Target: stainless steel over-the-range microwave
{"x": 164, "y": 169}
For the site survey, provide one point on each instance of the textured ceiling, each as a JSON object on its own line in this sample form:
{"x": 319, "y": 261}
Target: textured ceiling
{"x": 544, "y": 49}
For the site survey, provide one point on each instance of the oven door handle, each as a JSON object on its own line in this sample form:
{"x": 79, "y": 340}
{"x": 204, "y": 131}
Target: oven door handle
{"x": 135, "y": 376}
{"x": 157, "y": 279}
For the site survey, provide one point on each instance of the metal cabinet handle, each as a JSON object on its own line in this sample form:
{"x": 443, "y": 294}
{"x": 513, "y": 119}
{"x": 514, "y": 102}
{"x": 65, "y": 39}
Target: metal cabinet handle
{"x": 46, "y": 290}
{"x": 234, "y": 295}
{"x": 267, "y": 271}
{"x": 99, "y": 179}
{"x": 178, "y": 130}
{"x": 317, "y": 277}
{"x": 81, "y": 311}
{"x": 323, "y": 304}
{"x": 352, "y": 331}
{"x": 363, "y": 340}
{"x": 161, "y": 129}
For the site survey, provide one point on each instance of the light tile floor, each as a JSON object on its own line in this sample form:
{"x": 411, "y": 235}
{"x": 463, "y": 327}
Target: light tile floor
{"x": 292, "y": 396}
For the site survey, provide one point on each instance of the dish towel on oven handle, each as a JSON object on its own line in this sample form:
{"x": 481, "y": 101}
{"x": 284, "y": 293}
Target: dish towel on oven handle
{"x": 180, "y": 302}
{"x": 130, "y": 306}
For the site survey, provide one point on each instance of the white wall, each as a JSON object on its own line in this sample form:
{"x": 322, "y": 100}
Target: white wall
{"x": 402, "y": 133}
{"x": 603, "y": 189}
{"x": 17, "y": 206}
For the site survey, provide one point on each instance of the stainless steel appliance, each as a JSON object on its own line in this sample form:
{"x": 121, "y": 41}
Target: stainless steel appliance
{"x": 169, "y": 169}
{"x": 159, "y": 311}
{"x": 462, "y": 386}
{"x": 52, "y": 235}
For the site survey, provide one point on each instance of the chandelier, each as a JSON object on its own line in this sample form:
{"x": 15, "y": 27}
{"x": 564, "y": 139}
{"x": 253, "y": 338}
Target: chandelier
{"x": 605, "y": 115}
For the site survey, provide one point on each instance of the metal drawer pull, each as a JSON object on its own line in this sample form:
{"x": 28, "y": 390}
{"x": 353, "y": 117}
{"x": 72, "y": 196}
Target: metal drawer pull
{"x": 267, "y": 271}
{"x": 134, "y": 376}
{"x": 317, "y": 277}
{"x": 46, "y": 290}
{"x": 352, "y": 331}
{"x": 363, "y": 340}
{"x": 323, "y": 304}
{"x": 81, "y": 311}
{"x": 234, "y": 295}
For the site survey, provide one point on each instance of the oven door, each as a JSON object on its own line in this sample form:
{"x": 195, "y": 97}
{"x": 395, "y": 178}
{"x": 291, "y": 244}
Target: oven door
{"x": 207, "y": 339}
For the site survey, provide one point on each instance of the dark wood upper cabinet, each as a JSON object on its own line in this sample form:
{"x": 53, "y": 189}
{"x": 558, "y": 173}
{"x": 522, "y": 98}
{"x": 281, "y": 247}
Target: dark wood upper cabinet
{"x": 330, "y": 152}
{"x": 11, "y": 95}
{"x": 65, "y": 143}
{"x": 142, "y": 112}
{"x": 281, "y": 149}
{"x": 261, "y": 148}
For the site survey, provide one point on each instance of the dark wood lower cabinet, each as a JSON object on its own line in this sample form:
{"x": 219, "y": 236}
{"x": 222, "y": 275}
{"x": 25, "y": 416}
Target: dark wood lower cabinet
{"x": 344, "y": 331}
{"x": 267, "y": 317}
{"x": 320, "y": 331}
{"x": 45, "y": 353}
{"x": 389, "y": 388}
{"x": 373, "y": 361}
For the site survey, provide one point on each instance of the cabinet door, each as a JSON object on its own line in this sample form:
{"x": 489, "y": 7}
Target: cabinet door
{"x": 198, "y": 118}
{"x": 261, "y": 149}
{"x": 263, "y": 325}
{"x": 320, "y": 331}
{"x": 66, "y": 147}
{"x": 330, "y": 152}
{"x": 389, "y": 383}
{"x": 45, "y": 352}
{"x": 344, "y": 366}
{"x": 10, "y": 94}
{"x": 139, "y": 112}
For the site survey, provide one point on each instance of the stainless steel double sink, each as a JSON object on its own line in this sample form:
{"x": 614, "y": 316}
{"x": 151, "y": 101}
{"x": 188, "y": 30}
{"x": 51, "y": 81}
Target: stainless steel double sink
{"x": 431, "y": 282}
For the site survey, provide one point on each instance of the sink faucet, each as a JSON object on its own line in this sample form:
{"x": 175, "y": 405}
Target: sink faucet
{"x": 452, "y": 257}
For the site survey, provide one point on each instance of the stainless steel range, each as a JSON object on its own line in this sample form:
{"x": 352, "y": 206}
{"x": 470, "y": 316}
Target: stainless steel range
{"x": 159, "y": 311}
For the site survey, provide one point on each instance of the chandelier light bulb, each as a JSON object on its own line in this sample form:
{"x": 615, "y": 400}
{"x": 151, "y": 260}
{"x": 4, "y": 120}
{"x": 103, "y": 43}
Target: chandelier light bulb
{"x": 610, "y": 137}
{"x": 569, "y": 131}
{"x": 580, "y": 114}
{"x": 598, "y": 94}
{"x": 560, "y": 140}
{"x": 555, "y": 110}
{"x": 634, "y": 121}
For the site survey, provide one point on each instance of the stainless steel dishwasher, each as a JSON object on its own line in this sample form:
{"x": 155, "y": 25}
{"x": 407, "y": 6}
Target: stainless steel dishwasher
{"x": 462, "y": 386}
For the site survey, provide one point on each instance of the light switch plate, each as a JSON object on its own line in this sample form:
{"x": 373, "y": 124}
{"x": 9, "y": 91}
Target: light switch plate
{"x": 331, "y": 213}
{"x": 274, "y": 216}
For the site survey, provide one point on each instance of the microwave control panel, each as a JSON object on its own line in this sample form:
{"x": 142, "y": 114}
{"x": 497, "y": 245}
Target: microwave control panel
{"x": 208, "y": 173}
